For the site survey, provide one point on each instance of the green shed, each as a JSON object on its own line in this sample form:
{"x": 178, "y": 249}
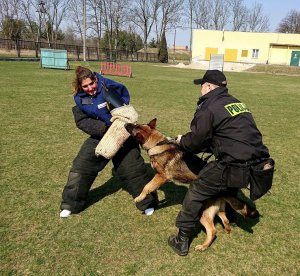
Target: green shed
{"x": 57, "y": 59}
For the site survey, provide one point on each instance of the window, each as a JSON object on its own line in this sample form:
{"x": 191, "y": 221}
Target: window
{"x": 244, "y": 53}
{"x": 255, "y": 53}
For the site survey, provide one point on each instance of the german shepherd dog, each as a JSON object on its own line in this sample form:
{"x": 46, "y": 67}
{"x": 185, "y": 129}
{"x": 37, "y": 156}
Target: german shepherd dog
{"x": 171, "y": 163}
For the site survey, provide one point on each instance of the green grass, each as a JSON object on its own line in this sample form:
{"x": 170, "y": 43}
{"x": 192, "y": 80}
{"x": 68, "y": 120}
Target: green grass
{"x": 39, "y": 141}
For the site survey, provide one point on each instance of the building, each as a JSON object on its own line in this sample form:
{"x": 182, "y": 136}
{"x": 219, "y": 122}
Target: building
{"x": 246, "y": 47}
{"x": 179, "y": 48}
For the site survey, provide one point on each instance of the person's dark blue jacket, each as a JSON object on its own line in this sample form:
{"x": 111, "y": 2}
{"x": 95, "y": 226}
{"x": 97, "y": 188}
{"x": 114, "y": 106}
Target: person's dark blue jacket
{"x": 95, "y": 106}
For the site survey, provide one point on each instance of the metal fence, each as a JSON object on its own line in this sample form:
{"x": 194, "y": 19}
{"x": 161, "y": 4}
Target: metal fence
{"x": 25, "y": 49}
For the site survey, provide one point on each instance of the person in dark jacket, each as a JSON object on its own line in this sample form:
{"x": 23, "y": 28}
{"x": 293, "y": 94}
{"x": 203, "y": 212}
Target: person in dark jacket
{"x": 92, "y": 116}
{"x": 224, "y": 126}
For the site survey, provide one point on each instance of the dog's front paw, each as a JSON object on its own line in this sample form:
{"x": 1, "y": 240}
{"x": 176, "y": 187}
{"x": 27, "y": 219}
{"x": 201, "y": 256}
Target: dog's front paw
{"x": 139, "y": 198}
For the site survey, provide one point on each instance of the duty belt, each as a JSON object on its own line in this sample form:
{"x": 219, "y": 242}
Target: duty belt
{"x": 242, "y": 164}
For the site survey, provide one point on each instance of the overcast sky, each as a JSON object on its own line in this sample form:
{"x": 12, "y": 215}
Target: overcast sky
{"x": 274, "y": 9}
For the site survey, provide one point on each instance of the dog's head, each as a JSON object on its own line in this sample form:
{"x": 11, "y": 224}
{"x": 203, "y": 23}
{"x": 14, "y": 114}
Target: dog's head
{"x": 144, "y": 133}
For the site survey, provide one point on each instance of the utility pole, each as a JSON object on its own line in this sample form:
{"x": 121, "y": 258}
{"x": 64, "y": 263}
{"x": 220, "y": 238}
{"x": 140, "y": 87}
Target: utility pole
{"x": 84, "y": 30}
{"x": 174, "y": 45}
{"x": 191, "y": 39}
{"x": 43, "y": 13}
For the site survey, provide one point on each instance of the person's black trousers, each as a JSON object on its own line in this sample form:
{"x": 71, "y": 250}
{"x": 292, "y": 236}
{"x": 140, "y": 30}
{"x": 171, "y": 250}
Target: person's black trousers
{"x": 129, "y": 167}
{"x": 212, "y": 182}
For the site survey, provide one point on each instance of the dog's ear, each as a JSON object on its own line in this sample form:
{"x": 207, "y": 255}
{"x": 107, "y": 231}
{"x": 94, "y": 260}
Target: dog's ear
{"x": 152, "y": 123}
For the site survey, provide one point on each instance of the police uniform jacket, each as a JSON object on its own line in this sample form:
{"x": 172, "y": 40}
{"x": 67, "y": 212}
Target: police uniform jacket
{"x": 225, "y": 126}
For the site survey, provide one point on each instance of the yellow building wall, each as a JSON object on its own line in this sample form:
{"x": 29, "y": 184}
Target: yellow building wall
{"x": 209, "y": 52}
{"x": 230, "y": 55}
{"x": 279, "y": 54}
{"x": 245, "y": 46}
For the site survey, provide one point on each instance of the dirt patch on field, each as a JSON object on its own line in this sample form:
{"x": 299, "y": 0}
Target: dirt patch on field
{"x": 245, "y": 67}
{"x": 276, "y": 69}
{"x": 228, "y": 66}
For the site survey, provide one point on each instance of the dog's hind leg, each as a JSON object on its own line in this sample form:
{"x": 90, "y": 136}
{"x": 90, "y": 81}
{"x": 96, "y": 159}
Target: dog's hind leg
{"x": 222, "y": 215}
{"x": 151, "y": 186}
{"x": 207, "y": 220}
{"x": 225, "y": 221}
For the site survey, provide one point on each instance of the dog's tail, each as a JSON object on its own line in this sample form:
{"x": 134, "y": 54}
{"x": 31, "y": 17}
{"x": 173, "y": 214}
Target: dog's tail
{"x": 242, "y": 207}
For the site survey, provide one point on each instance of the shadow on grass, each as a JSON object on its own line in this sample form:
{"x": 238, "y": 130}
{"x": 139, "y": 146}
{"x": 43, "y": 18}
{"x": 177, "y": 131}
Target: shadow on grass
{"x": 109, "y": 187}
{"x": 174, "y": 195}
{"x": 243, "y": 222}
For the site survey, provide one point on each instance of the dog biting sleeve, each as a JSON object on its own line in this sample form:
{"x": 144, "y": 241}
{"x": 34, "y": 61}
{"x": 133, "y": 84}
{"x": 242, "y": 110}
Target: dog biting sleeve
{"x": 116, "y": 135}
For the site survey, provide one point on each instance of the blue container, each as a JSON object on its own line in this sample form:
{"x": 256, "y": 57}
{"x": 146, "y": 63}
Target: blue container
{"x": 57, "y": 59}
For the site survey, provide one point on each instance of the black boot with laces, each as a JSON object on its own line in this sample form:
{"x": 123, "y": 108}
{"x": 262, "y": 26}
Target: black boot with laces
{"x": 180, "y": 243}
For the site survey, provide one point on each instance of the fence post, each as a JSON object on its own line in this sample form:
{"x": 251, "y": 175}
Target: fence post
{"x": 18, "y": 48}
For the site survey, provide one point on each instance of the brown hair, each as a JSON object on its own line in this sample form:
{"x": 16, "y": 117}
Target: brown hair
{"x": 81, "y": 74}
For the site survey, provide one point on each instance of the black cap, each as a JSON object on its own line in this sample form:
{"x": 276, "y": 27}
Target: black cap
{"x": 213, "y": 76}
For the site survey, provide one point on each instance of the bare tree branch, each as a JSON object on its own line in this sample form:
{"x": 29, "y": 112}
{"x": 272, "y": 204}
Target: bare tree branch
{"x": 257, "y": 21}
{"x": 220, "y": 13}
{"x": 290, "y": 23}
{"x": 143, "y": 14}
{"x": 202, "y": 14}
{"x": 239, "y": 15}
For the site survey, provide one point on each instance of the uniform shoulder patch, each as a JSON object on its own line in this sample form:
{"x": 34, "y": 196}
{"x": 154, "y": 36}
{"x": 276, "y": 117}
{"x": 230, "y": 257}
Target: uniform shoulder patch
{"x": 236, "y": 108}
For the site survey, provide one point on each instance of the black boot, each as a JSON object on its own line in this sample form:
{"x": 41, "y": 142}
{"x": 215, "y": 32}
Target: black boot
{"x": 180, "y": 243}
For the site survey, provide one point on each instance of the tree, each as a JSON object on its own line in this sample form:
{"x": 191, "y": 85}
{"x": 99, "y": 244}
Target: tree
{"x": 95, "y": 14}
{"x": 163, "y": 50}
{"x": 55, "y": 12}
{"x": 14, "y": 29}
{"x": 290, "y": 23}
{"x": 70, "y": 37}
{"x": 219, "y": 11}
{"x": 143, "y": 15}
{"x": 127, "y": 41}
{"x": 153, "y": 43}
{"x": 202, "y": 14}
{"x": 169, "y": 15}
{"x": 114, "y": 15}
{"x": 257, "y": 21}
{"x": 30, "y": 9}
{"x": 190, "y": 13}
{"x": 239, "y": 15}
{"x": 75, "y": 18}
{"x": 9, "y": 16}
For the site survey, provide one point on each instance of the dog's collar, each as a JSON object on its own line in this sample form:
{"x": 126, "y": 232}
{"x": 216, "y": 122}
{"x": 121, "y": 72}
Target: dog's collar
{"x": 148, "y": 143}
{"x": 163, "y": 142}
{"x": 166, "y": 141}
{"x": 147, "y": 148}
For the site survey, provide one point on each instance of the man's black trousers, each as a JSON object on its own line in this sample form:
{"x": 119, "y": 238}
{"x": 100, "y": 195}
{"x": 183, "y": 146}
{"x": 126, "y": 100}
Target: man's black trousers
{"x": 212, "y": 183}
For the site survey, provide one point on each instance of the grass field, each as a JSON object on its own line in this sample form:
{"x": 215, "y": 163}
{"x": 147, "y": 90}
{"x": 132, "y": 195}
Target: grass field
{"x": 39, "y": 141}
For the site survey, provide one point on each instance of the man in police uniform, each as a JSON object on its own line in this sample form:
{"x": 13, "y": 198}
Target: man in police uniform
{"x": 225, "y": 127}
